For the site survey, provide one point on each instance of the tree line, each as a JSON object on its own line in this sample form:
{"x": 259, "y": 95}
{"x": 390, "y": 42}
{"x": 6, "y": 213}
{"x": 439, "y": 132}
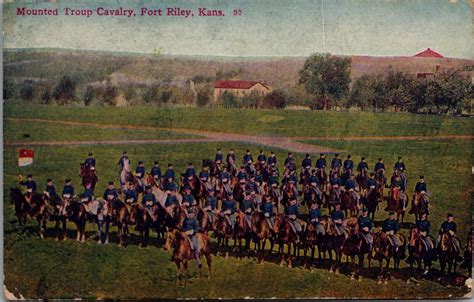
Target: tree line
{"x": 324, "y": 83}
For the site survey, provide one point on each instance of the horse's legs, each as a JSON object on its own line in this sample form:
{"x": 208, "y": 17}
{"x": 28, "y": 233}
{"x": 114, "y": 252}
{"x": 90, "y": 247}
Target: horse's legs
{"x": 178, "y": 273}
{"x": 262, "y": 250}
{"x": 185, "y": 271}
{"x": 146, "y": 237}
{"x": 107, "y": 226}
{"x": 209, "y": 263}
{"x": 282, "y": 253}
{"x": 289, "y": 255}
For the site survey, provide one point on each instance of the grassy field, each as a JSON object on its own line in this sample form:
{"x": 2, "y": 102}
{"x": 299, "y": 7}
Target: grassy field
{"x": 16, "y": 130}
{"x": 269, "y": 122}
{"x": 88, "y": 270}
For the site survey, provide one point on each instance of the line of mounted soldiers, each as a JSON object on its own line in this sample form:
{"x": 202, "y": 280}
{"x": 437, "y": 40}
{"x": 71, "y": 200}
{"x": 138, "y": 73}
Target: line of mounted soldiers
{"x": 254, "y": 186}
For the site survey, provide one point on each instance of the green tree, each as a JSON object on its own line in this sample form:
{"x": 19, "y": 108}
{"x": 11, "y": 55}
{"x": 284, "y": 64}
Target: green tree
{"x": 27, "y": 90}
{"x": 326, "y": 76}
{"x": 274, "y": 99}
{"x": 8, "y": 88}
{"x": 203, "y": 97}
{"x": 65, "y": 90}
{"x": 229, "y": 100}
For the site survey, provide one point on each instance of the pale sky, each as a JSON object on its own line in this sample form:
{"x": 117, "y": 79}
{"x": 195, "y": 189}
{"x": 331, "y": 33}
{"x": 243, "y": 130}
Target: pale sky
{"x": 265, "y": 28}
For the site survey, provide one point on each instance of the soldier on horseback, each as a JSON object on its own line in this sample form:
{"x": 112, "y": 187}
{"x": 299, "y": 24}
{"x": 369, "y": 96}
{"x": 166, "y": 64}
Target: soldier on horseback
{"x": 397, "y": 190}
{"x": 218, "y": 158}
{"x": 449, "y": 227}
{"x": 362, "y": 165}
{"x": 272, "y": 160}
{"x": 68, "y": 189}
{"x": 306, "y": 162}
{"x": 247, "y": 207}
{"x": 247, "y": 159}
{"x": 111, "y": 195}
{"x": 372, "y": 184}
{"x": 188, "y": 198}
{"x": 231, "y": 162}
{"x": 400, "y": 169}
{"x": 156, "y": 172}
{"x": 423, "y": 226}
{"x": 211, "y": 204}
{"x": 292, "y": 213}
{"x": 131, "y": 195}
{"x": 336, "y": 164}
{"x": 191, "y": 228}
{"x": 50, "y": 190}
{"x": 267, "y": 210}
{"x": 420, "y": 191}
{"x": 140, "y": 174}
{"x": 337, "y": 217}
{"x": 30, "y": 184}
{"x": 321, "y": 162}
{"x": 365, "y": 227}
{"x": 350, "y": 186}
{"x": 169, "y": 183}
{"x": 242, "y": 175}
{"x": 348, "y": 165}
{"x": 90, "y": 161}
{"x": 335, "y": 184}
{"x": 148, "y": 202}
{"x": 229, "y": 206}
{"x": 262, "y": 159}
{"x": 315, "y": 218}
{"x": 379, "y": 166}
{"x": 171, "y": 202}
{"x": 390, "y": 227}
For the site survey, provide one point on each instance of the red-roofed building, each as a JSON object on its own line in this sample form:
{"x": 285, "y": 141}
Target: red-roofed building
{"x": 240, "y": 88}
{"x": 429, "y": 53}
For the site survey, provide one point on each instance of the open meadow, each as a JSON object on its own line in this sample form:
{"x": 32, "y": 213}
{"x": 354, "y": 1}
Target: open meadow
{"x": 48, "y": 268}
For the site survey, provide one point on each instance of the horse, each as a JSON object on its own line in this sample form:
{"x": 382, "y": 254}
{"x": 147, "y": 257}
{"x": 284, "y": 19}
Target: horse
{"x": 182, "y": 252}
{"x": 88, "y": 176}
{"x": 32, "y": 205}
{"x": 242, "y": 231}
{"x": 371, "y": 202}
{"x": 467, "y": 263}
{"x": 419, "y": 206}
{"x": 77, "y": 213}
{"x": 362, "y": 178}
{"x": 334, "y": 197}
{"x": 310, "y": 195}
{"x": 323, "y": 179}
{"x": 312, "y": 239}
{"x": 144, "y": 220}
{"x": 418, "y": 251}
{"x": 355, "y": 245}
{"x": 383, "y": 250}
{"x": 349, "y": 203}
{"x": 286, "y": 235}
{"x": 58, "y": 215}
{"x": 381, "y": 179}
{"x": 223, "y": 231}
{"x": 120, "y": 218}
{"x": 335, "y": 243}
{"x": 447, "y": 253}
{"x": 262, "y": 231}
{"x": 395, "y": 202}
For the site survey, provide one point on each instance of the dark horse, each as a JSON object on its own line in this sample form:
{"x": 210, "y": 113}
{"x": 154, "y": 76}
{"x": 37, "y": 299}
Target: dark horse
{"x": 58, "y": 215}
{"x": 32, "y": 205}
{"x": 144, "y": 220}
{"x": 182, "y": 252}
{"x": 76, "y": 212}
{"x": 384, "y": 250}
{"x": 88, "y": 176}
{"x": 418, "y": 251}
{"x": 447, "y": 253}
{"x": 355, "y": 245}
{"x": 467, "y": 263}
{"x": 371, "y": 201}
{"x": 120, "y": 218}
{"x": 335, "y": 243}
{"x": 242, "y": 231}
{"x": 286, "y": 235}
{"x": 262, "y": 231}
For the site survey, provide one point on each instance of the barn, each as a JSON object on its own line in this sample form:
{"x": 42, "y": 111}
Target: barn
{"x": 240, "y": 88}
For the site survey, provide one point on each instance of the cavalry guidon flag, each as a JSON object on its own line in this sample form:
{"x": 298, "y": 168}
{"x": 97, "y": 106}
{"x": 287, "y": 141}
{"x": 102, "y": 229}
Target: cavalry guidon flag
{"x": 25, "y": 157}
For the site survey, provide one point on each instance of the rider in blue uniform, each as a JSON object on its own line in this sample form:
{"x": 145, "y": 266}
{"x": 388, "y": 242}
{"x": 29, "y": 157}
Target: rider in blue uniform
{"x": 90, "y": 161}
{"x": 247, "y": 158}
{"x": 190, "y": 171}
{"x": 337, "y": 216}
{"x": 400, "y": 165}
{"x": 247, "y": 206}
{"x": 390, "y": 227}
{"x": 372, "y": 183}
{"x": 292, "y": 213}
{"x": 169, "y": 173}
{"x": 267, "y": 209}
{"x": 272, "y": 159}
{"x": 362, "y": 165}
{"x": 261, "y": 157}
{"x": 314, "y": 214}
{"x": 68, "y": 189}
{"x": 156, "y": 171}
{"x": 365, "y": 227}
{"x": 450, "y": 227}
{"x": 423, "y": 226}
{"x": 306, "y": 163}
{"x": 348, "y": 164}
{"x": 218, "y": 158}
{"x": 379, "y": 165}
{"x": 191, "y": 228}
{"x": 30, "y": 184}
{"x": 131, "y": 195}
{"x": 336, "y": 163}
{"x": 242, "y": 175}
{"x": 111, "y": 194}
{"x": 321, "y": 162}
{"x": 140, "y": 172}
{"x": 229, "y": 207}
{"x": 50, "y": 189}
{"x": 122, "y": 160}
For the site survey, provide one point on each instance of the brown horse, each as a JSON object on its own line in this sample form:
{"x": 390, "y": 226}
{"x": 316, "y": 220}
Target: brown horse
{"x": 121, "y": 218}
{"x": 88, "y": 176}
{"x": 223, "y": 231}
{"x": 57, "y": 215}
{"x": 242, "y": 231}
{"x": 362, "y": 179}
{"x": 262, "y": 231}
{"x": 447, "y": 253}
{"x": 33, "y": 205}
{"x": 76, "y": 212}
{"x": 349, "y": 203}
{"x": 396, "y": 204}
{"x": 183, "y": 253}
{"x": 371, "y": 202}
{"x": 355, "y": 245}
{"x": 335, "y": 243}
{"x": 418, "y": 251}
{"x": 286, "y": 236}
{"x": 419, "y": 205}
{"x": 384, "y": 250}
{"x": 144, "y": 220}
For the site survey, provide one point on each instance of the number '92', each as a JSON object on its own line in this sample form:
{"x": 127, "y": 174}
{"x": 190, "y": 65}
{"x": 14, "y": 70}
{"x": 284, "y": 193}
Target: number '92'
{"x": 237, "y": 12}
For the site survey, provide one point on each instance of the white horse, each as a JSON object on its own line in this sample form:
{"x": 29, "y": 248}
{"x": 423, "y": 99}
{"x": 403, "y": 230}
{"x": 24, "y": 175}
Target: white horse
{"x": 125, "y": 173}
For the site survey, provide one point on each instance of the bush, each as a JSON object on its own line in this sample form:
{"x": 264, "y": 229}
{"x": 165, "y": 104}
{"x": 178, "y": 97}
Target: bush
{"x": 203, "y": 98}
{"x": 229, "y": 100}
{"x": 65, "y": 90}
{"x": 275, "y": 99}
{"x": 8, "y": 88}
{"x": 27, "y": 90}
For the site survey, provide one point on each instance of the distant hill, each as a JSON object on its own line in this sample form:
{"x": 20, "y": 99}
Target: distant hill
{"x": 48, "y": 65}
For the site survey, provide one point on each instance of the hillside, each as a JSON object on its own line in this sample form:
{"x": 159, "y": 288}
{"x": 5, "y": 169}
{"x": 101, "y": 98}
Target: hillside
{"x": 144, "y": 70}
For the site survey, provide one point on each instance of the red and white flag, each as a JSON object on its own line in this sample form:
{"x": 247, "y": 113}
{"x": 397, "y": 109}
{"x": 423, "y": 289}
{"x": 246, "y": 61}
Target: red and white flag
{"x": 25, "y": 157}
